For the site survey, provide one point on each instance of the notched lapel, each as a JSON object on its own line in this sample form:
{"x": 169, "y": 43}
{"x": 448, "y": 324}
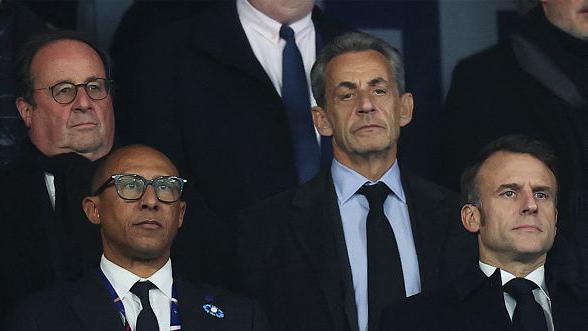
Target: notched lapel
{"x": 232, "y": 48}
{"x": 314, "y": 224}
{"x": 428, "y": 212}
{"x": 93, "y": 305}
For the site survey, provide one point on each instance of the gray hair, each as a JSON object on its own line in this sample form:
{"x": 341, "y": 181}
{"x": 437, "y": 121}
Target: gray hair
{"x": 354, "y": 42}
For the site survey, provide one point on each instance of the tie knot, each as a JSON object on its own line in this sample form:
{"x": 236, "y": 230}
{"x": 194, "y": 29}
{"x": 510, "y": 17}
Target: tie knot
{"x": 141, "y": 290}
{"x": 375, "y": 194}
{"x": 286, "y": 33}
{"x": 519, "y": 287}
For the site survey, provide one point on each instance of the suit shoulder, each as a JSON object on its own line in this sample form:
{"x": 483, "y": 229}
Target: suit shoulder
{"x": 425, "y": 188}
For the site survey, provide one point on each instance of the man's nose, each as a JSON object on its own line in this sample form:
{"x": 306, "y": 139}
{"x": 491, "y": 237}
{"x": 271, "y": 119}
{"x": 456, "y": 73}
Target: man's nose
{"x": 149, "y": 199}
{"x": 365, "y": 102}
{"x": 82, "y": 101}
{"x": 529, "y": 203}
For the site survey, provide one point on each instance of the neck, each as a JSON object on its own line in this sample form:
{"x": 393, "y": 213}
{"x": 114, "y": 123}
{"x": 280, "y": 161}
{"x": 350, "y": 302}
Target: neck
{"x": 143, "y": 268}
{"x": 517, "y": 268}
{"x": 372, "y": 165}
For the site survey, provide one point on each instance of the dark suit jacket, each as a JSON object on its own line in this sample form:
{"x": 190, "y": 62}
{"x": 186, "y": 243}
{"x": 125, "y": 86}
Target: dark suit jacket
{"x": 206, "y": 101}
{"x": 293, "y": 259}
{"x": 87, "y": 305}
{"x": 475, "y": 302}
{"x": 42, "y": 247}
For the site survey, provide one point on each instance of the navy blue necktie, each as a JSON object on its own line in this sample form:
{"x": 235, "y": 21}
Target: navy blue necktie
{"x": 296, "y": 100}
{"x": 385, "y": 277}
{"x": 528, "y": 314}
{"x": 146, "y": 320}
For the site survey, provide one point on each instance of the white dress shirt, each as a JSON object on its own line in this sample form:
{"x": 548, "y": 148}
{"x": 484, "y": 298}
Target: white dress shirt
{"x": 160, "y": 298}
{"x": 354, "y": 209}
{"x": 263, "y": 34}
{"x": 540, "y": 293}
{"x": 50, "y": 184}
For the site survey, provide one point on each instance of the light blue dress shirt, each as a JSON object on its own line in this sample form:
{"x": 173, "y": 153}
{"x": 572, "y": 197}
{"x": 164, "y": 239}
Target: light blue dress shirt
{"x": 354, "y": 209}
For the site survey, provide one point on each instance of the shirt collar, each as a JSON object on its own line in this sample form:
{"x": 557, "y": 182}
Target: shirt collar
{"x": 122, "y": 280}
{"x": 537, "y": 276}
{"x": 348, "y": 181}
{"x": 268, "y": 27}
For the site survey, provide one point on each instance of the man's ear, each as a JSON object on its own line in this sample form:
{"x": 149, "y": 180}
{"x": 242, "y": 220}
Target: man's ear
{"x": 90, "y": 206}
{"x": 321, "y": 122}
{"x": 471, "y": 218}
{"x": 182, "y": 212}
{"x": 406, "y": 108}
{"x": 25, "y": 110}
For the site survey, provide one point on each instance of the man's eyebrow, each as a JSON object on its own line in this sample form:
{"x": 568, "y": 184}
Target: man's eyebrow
{"x": 347, "y": 84}
{"x": 377, "y": 81}
{"x": 511, "y": 186}
{"x": 540, "y": 188}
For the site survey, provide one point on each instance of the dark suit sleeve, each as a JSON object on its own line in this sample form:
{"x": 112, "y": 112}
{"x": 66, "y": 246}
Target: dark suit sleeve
{"x": 22, "y": 318}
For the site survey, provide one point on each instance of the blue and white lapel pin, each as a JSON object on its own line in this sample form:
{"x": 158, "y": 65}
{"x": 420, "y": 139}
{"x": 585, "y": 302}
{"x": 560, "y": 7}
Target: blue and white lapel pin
{"x": 213, "y": 310}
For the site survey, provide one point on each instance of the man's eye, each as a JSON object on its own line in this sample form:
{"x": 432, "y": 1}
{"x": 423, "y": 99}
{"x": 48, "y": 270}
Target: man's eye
{"x": 380, "y": 91}
{"x": 346, "y": 96}
{"x": 541, "y": 195}
{"x": 509, "y": 194}
{"x": 64, "y": 90}
{"x": 94, "y": 86}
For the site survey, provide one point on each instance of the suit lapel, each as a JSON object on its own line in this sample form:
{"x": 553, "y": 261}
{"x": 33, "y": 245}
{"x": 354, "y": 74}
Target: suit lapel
{"x": 429, "y": 226}
{"x": 92, "y": 304}
{"x": 190, "y": 305}
{"x": 481, "y": 301}
{"x": 233, "y": 47}
{"x": 316, "y": 223}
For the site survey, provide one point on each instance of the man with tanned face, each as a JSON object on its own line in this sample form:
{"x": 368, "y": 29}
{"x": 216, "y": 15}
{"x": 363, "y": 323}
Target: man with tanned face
{"x": 525, "y": 279}
{"x": 365, "y": 232}
{"x": 137, "y": 203}
{"x": 65, "y": 101}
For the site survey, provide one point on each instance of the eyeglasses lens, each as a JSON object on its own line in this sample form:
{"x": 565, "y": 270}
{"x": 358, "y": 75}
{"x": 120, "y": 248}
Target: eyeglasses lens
{"x": 65, "y": 92}
{"x": 133, "y": 188}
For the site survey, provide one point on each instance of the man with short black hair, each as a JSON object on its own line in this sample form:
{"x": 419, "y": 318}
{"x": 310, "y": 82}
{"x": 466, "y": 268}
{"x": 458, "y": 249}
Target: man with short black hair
{"x": 526, "y": 277}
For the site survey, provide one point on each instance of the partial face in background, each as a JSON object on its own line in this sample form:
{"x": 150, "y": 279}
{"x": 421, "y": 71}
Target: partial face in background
{"x": 141, "y": 229}
{"x": 568, "y": 15}
{"x": 363, "y": 109}
{"x": 516, "y": 219}
{"x": 284, "y": 11}
{"x": 84, "y": 126}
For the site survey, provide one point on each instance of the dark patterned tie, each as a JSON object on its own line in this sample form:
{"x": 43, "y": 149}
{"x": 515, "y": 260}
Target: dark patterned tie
{"x": 385, "y": 279}
{"x": 296, "y": 100}
{"x": 528, "y": 314}
{"x": 146, "y": 321}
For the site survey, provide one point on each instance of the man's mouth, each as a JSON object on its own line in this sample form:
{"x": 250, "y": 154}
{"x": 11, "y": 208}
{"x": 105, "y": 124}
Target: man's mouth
{"x": 528, "y": 228}
{"x": 149, "y": 224}
{"x": 84, "y": 125}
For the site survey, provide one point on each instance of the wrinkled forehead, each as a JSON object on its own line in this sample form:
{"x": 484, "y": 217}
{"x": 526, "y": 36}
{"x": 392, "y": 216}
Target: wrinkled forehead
{"x": 505, "y": 168}
{"x": 359, "y": 67}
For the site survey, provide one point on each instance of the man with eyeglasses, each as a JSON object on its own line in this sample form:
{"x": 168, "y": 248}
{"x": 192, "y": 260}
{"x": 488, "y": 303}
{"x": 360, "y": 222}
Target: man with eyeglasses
{"x": 137, "y": 203}
{"x": 63, "y": 97}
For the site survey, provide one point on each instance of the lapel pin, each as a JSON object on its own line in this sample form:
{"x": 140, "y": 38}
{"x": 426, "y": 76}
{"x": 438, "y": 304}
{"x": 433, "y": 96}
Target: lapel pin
{"x": 213, "y": 310}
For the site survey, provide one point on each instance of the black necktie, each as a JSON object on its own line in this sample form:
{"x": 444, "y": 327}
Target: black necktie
{"x": 296, "y": 100}
{"x": 146, "y": 321}
{"x": 385, "y": 279}
{"x": 528, "y": 314}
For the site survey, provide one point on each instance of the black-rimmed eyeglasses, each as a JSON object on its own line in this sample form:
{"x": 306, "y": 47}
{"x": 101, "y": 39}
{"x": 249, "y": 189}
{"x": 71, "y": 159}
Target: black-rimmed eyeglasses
{"x": 66, "y": 92}
{"x": 132, "y": 187}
